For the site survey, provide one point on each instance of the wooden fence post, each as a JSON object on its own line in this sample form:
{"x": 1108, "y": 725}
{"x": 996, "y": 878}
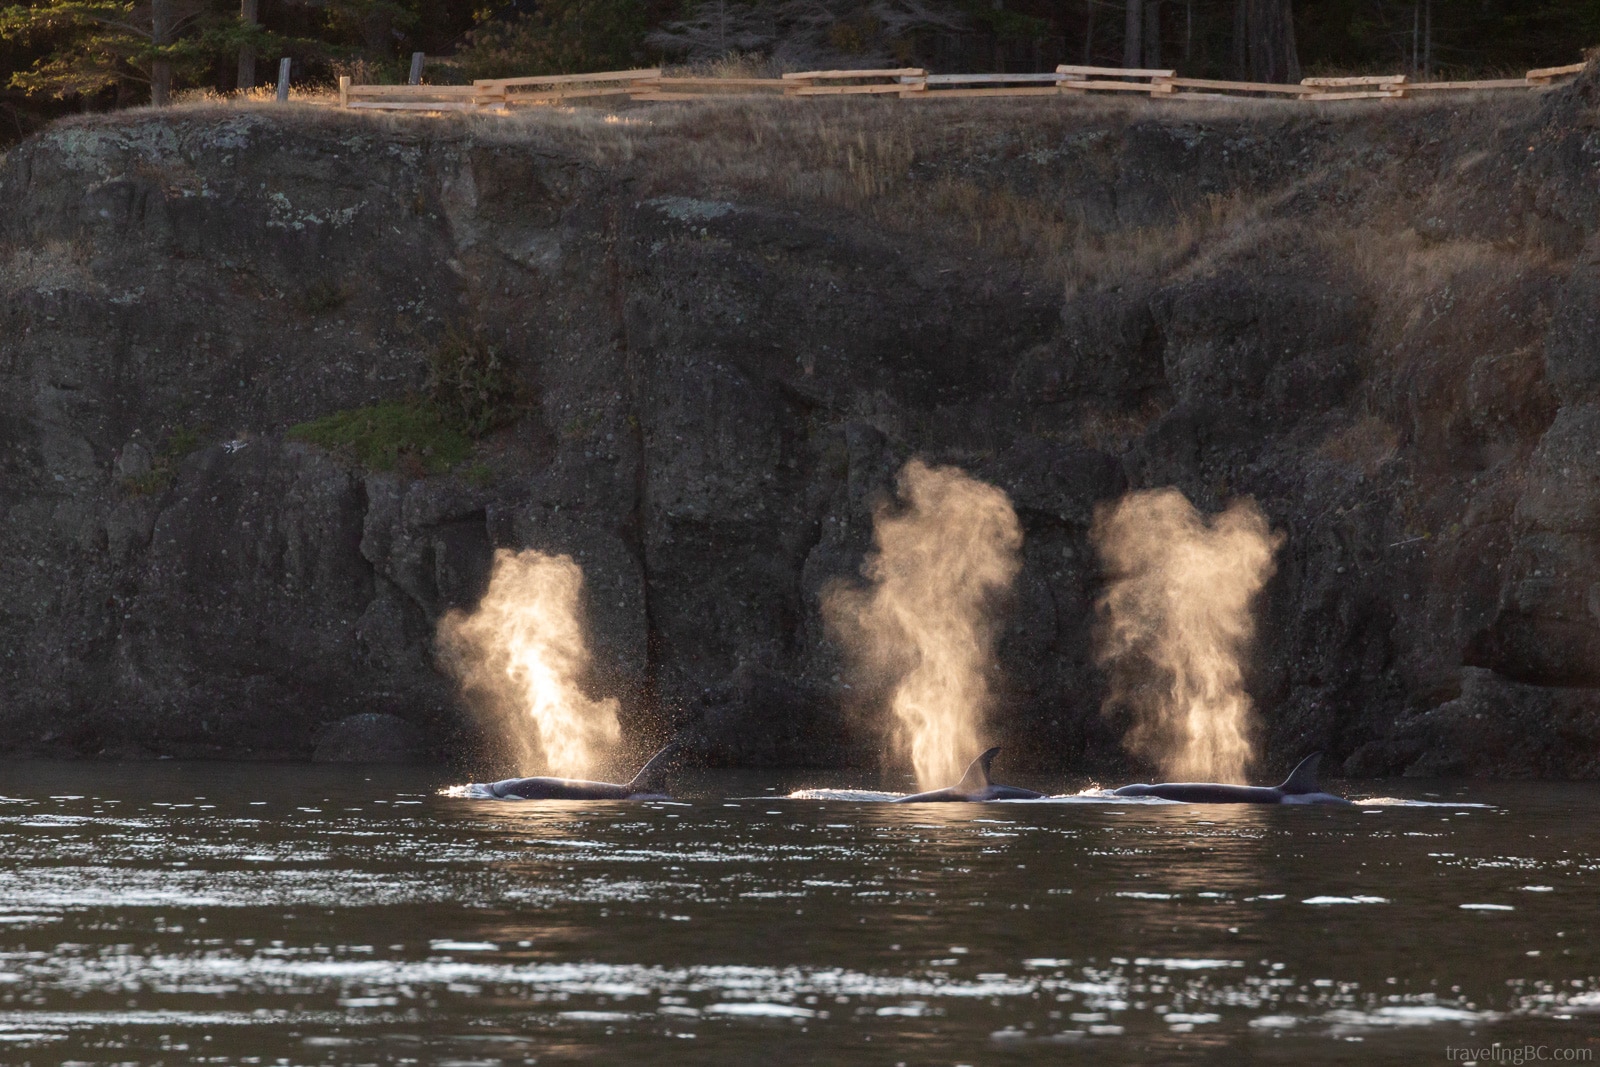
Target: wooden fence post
{"x": 416, "y": 69}
{"x": 344, "y": 90}
{"x": 283, "y": 80}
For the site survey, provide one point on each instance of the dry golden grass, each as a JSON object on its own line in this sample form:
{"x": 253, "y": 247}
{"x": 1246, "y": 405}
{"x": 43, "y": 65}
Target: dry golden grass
{"x": 970, "y": 174}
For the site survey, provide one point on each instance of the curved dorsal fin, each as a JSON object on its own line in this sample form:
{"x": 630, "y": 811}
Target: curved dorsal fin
{"x": 1303, "y": 779}
{"x": 652, "y": 777}
{"x": 977, "y": 776}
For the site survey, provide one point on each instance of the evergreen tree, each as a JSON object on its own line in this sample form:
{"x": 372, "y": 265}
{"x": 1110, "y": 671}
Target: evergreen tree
{"x": 560, "y": 37}
{"x": 91, "y": 45}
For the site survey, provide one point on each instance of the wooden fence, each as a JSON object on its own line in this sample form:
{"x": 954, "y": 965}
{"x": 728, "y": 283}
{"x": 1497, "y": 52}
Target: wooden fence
{"x": 905, "y": 83}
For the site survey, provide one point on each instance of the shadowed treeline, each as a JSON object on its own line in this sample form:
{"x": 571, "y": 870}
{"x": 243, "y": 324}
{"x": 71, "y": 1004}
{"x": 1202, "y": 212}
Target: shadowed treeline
{"x": 61, "y": 56}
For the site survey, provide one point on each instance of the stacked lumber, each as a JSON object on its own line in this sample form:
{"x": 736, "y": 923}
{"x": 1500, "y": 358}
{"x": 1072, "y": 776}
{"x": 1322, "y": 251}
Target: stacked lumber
{"x": 1363, "y": 87}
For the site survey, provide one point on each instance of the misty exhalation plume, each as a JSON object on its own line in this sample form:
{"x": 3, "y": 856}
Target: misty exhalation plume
{"x": 926, "y": 624}
{"x": 1176, "y": 623}
{"x": 521, "y": 655}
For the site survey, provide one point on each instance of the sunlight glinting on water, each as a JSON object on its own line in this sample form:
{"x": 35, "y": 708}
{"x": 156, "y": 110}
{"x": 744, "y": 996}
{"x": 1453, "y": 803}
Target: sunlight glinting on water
{"x": 309, "y": 919}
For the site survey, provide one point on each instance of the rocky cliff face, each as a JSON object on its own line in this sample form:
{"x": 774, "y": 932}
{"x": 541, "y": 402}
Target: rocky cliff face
{"x": 737, "y": 322}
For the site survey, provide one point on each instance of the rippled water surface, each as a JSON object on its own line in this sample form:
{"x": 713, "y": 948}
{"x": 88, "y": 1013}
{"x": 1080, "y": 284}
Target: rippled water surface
{"x": 207, "y": 913}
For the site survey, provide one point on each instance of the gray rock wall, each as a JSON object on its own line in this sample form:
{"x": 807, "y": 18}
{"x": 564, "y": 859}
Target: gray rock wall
{"x": 1388, "y": 340}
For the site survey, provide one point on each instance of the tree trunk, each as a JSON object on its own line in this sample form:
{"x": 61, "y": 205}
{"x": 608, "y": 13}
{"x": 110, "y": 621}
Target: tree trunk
{"x": 161, "y": 68}
{"x": 1152, "y": 33}
{"x": 1427, "y": 39}
{"x": 1133, "y": 34}
{"x": 1088, "y": 35}
{"x": 1263, "y": 46}
{"x": 1416, "y": 27}
{"x": 249, "y": 14}
{"x": 1241, "y": 49}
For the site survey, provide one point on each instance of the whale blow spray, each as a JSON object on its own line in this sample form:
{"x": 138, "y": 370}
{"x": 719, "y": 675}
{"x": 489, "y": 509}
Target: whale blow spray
{"x": 521, "y": 654}
{"x": 1175, "y": 625}
{"x": 925, "y": 625}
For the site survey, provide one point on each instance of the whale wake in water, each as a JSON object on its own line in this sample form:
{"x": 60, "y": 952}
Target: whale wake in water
{"x": 649, "y": 784}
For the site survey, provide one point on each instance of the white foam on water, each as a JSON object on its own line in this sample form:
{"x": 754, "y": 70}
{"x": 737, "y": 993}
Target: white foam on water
{"x": 1346, "y": 900}
{"x": 463, "y": 946}
{"x": 1403, "y": 802}
{"x": 1486, "y": 907}
{"x": 1407, "y": 1015}
{"x": 761, "y": 1010}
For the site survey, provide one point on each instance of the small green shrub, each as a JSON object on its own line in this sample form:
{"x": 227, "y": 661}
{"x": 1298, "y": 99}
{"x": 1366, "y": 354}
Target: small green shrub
{"x": 323, "y": 296}
{"x": 411, "y": 434}
{"x": 472, "y": 387}
{"x": 156, "y": 480}
{"x": 181, "y": 441}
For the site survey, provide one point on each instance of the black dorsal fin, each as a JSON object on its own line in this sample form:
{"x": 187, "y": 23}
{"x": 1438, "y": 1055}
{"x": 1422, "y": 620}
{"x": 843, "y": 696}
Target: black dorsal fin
{"x": 652, "y": 777}
{"x": 1303, "y": 779}
{"x": 977, "y": 776}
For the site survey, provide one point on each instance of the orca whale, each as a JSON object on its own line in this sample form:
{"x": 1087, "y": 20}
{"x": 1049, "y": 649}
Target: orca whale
{"x": 649, "y": 784}
{"x": 1299, "y": 788}
{"x": 974, "y": 787}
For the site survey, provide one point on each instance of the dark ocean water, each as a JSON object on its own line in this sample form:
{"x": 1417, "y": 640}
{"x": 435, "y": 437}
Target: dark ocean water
{"x": 280, "y": 914}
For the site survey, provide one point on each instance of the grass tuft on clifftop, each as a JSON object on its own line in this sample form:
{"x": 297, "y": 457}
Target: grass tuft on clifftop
{"x": 393, "y": 433}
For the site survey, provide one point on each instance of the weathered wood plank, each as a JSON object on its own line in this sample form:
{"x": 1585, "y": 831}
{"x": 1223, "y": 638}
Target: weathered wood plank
{"x": 951, "y": 94}
{"x": 1376, "y": 94}
{"x": 1113, "y": 72}
{"x": 1242, "y": 87}
{"x": 853, "y": 90}
{"x": 717, "y": 83}
{"x": 412, "y": 105}
{"x": 405, "y": 91}
{"x": 990, "y": 79}
{"x": 1116, "y": 87}
{"x": 831, "y": 75}
{"x": 556, "y": 98}
{"x": 1545, "y": 73}
{"x": 570, "y": 79}
{"x": 1486, "y": 83}
{"x": 1364, "y": 79}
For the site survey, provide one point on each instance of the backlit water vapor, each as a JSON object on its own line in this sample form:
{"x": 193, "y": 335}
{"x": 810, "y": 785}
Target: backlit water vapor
{"x": 925, "y": 626}
{"x": 1176, "y": 623}
{"x": 521, "y": 655}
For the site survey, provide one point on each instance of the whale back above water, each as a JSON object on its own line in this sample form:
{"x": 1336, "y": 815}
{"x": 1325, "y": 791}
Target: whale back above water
{"x": 650, "y": 783}
{"x": 974, "y": 787}
{"x": 1299, "y": 788}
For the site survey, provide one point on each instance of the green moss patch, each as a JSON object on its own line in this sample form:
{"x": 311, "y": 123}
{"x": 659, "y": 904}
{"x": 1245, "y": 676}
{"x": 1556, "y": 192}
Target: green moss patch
{"x": 409, "y": 434}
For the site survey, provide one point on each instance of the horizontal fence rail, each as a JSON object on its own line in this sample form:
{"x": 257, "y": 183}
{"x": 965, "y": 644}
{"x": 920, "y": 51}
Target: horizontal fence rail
{"x": 906, "y": 83}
